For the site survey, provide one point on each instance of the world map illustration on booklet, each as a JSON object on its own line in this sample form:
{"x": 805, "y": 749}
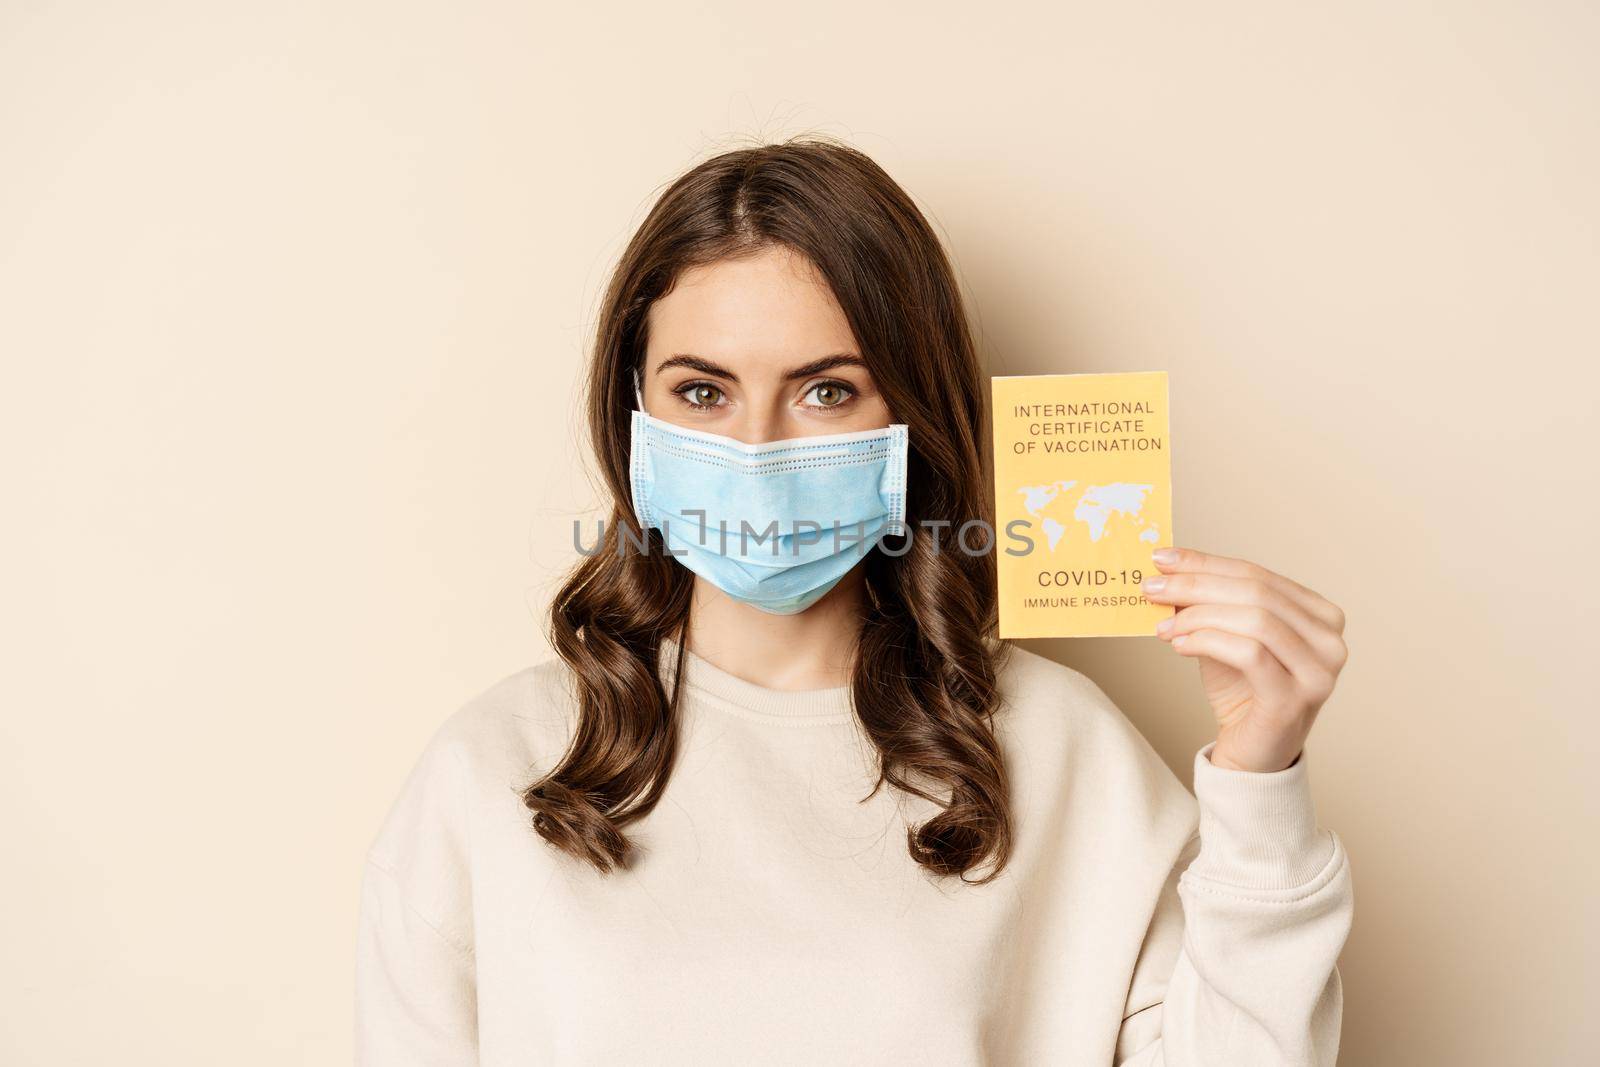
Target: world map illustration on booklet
{"x": 1083, "y": 495}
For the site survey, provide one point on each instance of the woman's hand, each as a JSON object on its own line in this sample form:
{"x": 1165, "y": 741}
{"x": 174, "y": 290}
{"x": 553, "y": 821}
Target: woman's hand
{"x": 1270, "y": 650}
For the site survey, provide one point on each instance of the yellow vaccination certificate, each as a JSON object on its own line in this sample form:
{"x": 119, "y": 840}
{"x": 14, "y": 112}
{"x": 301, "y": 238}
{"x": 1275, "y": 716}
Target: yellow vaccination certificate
{"x": 1083, "y": 495}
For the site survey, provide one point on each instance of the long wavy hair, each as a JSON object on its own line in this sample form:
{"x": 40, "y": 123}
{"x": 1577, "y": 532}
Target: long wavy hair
{"x": 923, "y": 681}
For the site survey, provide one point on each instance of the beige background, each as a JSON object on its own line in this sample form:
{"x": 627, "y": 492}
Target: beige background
{"x": 293, "y": 298}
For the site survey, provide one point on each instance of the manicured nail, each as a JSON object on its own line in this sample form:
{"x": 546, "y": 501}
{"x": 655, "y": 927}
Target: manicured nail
{"x": 1154, "y": 585}
{"x": 1164, "y": 627}
{"x": 1165, "y": 555}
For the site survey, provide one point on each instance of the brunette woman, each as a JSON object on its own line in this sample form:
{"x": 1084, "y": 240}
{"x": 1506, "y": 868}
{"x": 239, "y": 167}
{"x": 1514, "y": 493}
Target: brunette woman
{"x": 786, "y": 799}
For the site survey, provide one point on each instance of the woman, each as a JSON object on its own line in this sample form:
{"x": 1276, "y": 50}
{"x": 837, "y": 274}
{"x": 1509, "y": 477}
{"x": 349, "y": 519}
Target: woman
{"x": 790, "y": 801}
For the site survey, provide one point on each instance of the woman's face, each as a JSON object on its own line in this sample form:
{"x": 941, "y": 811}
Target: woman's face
{"x": 759, "y": 350}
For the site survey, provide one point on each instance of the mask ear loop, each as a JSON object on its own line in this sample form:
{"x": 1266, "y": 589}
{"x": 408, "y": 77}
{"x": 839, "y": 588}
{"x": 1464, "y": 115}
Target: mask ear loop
{"x": 641, "y": 510}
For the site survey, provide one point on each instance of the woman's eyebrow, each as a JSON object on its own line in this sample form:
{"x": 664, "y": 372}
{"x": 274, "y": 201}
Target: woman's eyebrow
{"x": 826, "y": 363}
{"x": 693, "y": 362}
{"x": 699, "y": 363}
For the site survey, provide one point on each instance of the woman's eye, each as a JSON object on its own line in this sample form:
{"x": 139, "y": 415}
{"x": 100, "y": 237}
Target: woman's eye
{"x": 828, "y": 394}
{"x": 701, "y": 395}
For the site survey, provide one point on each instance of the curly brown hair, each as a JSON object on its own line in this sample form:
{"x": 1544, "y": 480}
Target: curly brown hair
{"x": 923, "y": 681}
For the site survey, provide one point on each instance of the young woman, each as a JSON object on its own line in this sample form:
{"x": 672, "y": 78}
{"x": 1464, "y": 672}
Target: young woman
{"x": 787, "y": 800}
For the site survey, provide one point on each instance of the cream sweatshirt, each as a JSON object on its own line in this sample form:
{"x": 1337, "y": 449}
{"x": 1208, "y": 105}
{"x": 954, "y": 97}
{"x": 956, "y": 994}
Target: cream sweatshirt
{"x": 773, "y": 919}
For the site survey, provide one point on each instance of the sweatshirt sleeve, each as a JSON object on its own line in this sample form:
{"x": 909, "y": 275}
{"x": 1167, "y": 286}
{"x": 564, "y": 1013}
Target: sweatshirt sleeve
{"x": 415, "y": 975}
{"x": 1239, "y": 966}
{"x": 415, "y": 996}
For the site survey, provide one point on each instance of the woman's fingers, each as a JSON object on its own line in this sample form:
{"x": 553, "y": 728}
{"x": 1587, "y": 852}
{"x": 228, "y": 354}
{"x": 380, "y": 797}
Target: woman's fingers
{"x": 1310, "y": 601}
{"x": 1183, "y": 588}
{"x": 1272, "y": 687}
{"x": 1271, "y": 632}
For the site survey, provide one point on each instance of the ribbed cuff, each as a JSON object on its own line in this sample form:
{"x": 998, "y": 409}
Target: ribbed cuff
{"x": 1258, "y": 829}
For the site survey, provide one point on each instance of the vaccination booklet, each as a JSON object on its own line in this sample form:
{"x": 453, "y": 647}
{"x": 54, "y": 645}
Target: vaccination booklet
{"x": 1083, "y": 495}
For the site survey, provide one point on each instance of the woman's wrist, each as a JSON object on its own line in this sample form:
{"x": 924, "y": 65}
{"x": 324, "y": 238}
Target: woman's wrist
{"x": 1219, "y": 758}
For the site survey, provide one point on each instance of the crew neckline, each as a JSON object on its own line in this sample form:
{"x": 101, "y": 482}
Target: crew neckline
{"x": 729, "y": 691}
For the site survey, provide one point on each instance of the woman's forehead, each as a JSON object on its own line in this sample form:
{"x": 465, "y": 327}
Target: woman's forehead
{"x": 759, "y": 315}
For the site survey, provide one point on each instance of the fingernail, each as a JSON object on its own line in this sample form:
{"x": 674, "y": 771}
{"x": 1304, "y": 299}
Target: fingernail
{"x": 1154, "y": 585}
{"x": 1177, "y": 642}
{"x": 1164, "y": 627}
{"x": 1165, "y": 555}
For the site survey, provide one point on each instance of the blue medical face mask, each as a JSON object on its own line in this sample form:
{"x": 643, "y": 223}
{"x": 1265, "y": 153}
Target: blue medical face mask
{"x": 774, "y": 525}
